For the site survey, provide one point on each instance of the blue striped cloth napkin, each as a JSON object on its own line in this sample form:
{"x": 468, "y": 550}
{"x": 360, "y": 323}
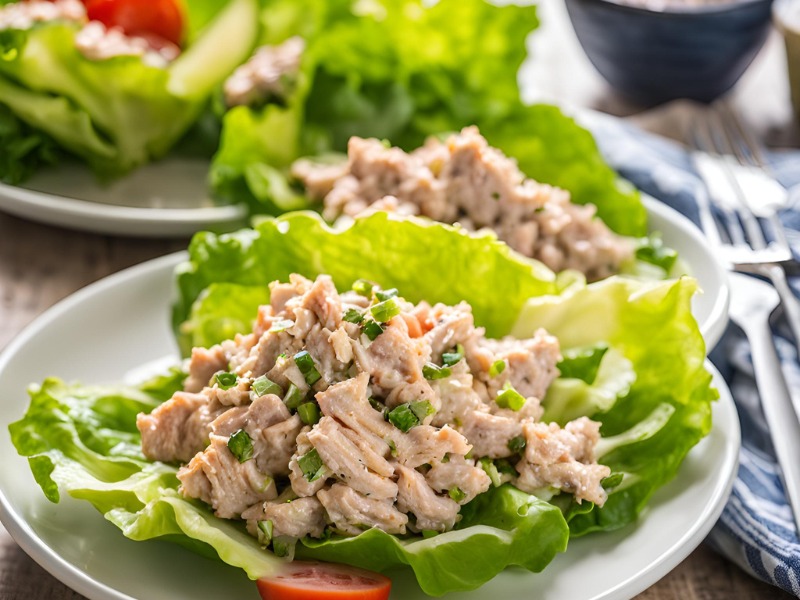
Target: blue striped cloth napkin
{"x": 756, "y": 529}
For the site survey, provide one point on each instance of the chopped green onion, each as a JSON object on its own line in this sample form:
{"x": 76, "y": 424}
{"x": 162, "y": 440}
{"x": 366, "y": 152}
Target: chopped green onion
{"x": 372, "y": 329}
{"x": 384, "y": 311}
{"x": 312, "y": 466}
{"x": 281, "y": 325}
{"x": 510, "y": 398}
{"x": 505, "y": 467}
{"x": 422, "y": 409}
{"x": 490, "y": 469}
{"x": 264, "y": 485}
{"x": 497, "y": 367}
{"x": 452, "y": 357}
{"x": 226, "y": 380}
{"x": 429, "y": 533}
{"x": 283, "y": 546}
{"x": 612, "y": 480}
{"x": 241, "y": 446}
{"x": 362, "y": 287}
{"x": 392, "y": 447}
{"x": 376, "y": 404}
{"x": 432, "y": 371}
{"x": 352, "y": 315}
{"x": 383, "y": 295}
{"x": 446, "y": 458}
{"x": 282, "y": 356}
{"x": 517, "y": 444}
{"x": 263, "y": 386}
{"x": 265, "y": 529}
{"x": 307, "y": 367}
{"x": 456, "y": 493}
{"x": 294, "y": 397}
{"x": 309, "y": 413}
{"x": 406, "y": 416}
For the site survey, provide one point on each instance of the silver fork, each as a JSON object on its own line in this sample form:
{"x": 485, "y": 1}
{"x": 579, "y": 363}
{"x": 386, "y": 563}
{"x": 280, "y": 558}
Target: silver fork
{"x": 745, "y": 195}
{"x": 752, "y": 303}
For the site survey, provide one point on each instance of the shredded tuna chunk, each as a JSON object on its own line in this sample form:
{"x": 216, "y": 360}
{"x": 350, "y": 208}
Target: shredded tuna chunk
{"x": 98, "y": 42}
{"x": 464, "y": 180}
{"x": 176, "y": 430}
{"x": 268, "y": 73}
{"x": 297, "y": 519}
{"x": 217, "y": 477}
{"x": 563, "y": 459}
{"x": 370, "y": 430}
{"x": 23, "y": 15}
{"x": 352, "y": 512}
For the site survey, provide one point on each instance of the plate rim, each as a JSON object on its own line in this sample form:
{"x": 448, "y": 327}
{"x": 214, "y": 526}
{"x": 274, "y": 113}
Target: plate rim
{"x": 92, "y": 588}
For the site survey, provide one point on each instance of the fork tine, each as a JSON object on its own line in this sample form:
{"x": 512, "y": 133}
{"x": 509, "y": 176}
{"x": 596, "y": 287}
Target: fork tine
{"x": 726, "y": 149}
{"x": 750, "y": 151}
{"x": 748, "y": 143}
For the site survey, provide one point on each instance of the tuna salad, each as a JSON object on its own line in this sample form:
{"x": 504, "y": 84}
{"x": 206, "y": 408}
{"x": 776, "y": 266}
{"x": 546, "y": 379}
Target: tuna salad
{"x": 464, "y": 180}
{"x": 342, "y": 412}
{"x": 95, "y": 40}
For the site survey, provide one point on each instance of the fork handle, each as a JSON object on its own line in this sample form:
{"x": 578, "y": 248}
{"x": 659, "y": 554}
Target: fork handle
{"x": 779, "y": 413}
{"x": 790, "y": 303}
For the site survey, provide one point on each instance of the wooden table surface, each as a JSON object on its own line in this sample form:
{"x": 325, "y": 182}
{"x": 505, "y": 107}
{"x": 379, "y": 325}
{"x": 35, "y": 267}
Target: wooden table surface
{"x": 40, "y": 265}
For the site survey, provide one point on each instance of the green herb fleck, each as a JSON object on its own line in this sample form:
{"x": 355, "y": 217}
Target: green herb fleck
{"x": 517, "y": 444}
{"x": 263, "y": 386}
{"x": 372, "y": 329}
{"x": 392, "y": 447}
{"x": 510, "y": 398}
{"x": 612, "y": 480}
{"x": 452, "y": 357}
{"x": 241, "y": 446}
{"x": 431, "y": 371}
{"x": 406, "y": 416}
{"x": 307, "y": 367}
{"x": 383, "y": 295}
{"x": 312, "y": 466}
{"x": 497, "y": 367}
{"x": 226, "y": 380}
{"x": 352, "y": 315}
{"x": 429, "y": 533}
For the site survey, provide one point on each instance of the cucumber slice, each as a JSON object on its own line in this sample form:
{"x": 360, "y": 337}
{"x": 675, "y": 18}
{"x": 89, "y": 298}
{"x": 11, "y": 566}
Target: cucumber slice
{"x": 225, "y": 44}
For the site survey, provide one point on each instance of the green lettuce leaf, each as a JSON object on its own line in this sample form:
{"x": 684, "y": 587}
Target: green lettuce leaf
{"x": 667, "y": 409}
{"x": 25, "y": 150}
{"x": 466, "y": 557}
{"x": 83, "y": 440}
{"x": 384, "y": 248}
{"x": 119, "y": 113}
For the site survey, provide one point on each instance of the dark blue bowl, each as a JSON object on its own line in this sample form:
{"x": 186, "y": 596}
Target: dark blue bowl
{"x": 656, "y": 56}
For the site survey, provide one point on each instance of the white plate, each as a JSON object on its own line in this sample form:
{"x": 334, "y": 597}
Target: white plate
{"x": 710, "y": 308}
{"x": 168, "y": 198}
{"x": 107, "y": 329}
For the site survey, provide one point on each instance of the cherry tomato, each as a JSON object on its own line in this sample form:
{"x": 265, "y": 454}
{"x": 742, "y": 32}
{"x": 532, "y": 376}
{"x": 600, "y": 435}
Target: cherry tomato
{"x": 324, "y": 581}
{"x": 151, "y": 19}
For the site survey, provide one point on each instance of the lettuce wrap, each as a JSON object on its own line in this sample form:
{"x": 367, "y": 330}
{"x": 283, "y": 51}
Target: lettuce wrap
{"x": 398, "y": 71}
{"x": 633, "y": 359}
{"x": 118, "y": 113}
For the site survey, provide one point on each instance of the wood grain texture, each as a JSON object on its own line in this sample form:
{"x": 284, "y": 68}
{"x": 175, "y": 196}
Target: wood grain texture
{"x": 40, "y": 265}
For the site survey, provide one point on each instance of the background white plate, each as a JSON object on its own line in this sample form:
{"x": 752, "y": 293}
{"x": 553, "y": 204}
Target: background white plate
{"x": 107, "y": 329}
{"x": 168, "y": 198}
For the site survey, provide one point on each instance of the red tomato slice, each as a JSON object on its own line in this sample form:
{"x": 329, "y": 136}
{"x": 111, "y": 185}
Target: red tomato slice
{"x": 324, "y": 581}
{"x": 146, "y": 18}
